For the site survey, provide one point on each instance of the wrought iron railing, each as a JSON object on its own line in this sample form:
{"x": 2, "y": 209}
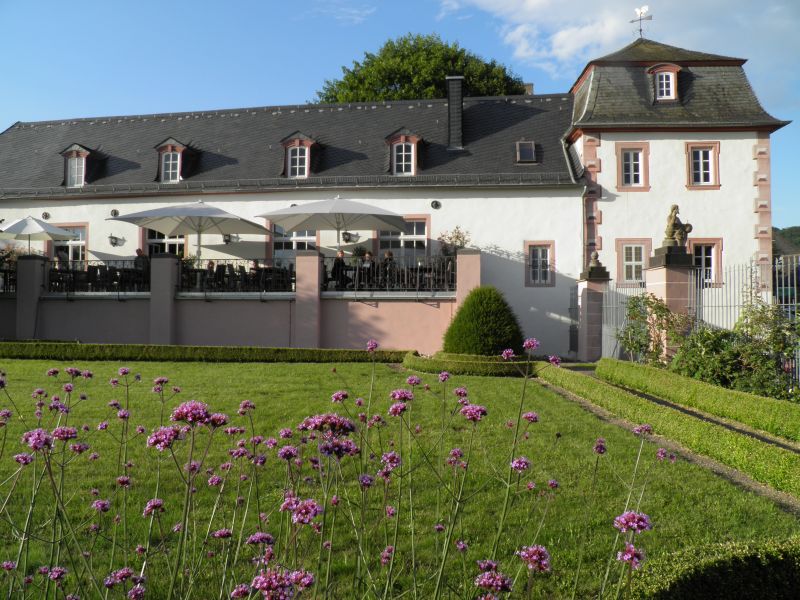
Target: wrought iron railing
{"x": 232, "y": 276}
{"x": 8, "y": 278}
{"x": 100, "y": 276}
{"x": 400, "y": 274}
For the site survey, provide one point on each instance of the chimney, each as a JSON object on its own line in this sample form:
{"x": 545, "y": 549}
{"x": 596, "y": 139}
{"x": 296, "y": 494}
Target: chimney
{"x": 528, "y": 89}
{"x": 455, "y": 105}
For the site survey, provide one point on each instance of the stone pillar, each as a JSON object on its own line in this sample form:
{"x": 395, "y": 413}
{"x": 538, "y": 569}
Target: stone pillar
{"x": 468, "y": 272}
{"x": 591, "y": 287}
{"x": 163, "y": 285}
{"x": 31, "y": 285}
{"x": 308, "y": 310}
{"x": 668, "y": 276}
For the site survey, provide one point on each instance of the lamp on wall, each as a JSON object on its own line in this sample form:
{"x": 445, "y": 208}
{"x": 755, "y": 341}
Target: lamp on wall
{"x": 228, "y": 238}
{"x": 114, "y": 240}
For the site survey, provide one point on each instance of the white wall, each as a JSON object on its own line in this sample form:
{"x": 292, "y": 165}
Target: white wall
{"x": 499, "y": 222}
{"x": 726, "y": 213}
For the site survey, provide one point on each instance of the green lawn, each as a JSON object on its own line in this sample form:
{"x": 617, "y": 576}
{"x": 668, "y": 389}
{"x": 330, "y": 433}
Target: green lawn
{"x": 688, "y": 505}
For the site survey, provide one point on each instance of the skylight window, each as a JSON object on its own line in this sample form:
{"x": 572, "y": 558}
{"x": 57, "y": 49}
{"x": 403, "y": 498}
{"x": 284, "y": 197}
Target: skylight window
{"x": 526, "y": 152}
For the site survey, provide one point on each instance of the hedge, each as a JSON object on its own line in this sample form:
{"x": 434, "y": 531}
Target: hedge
{"x": 762, "y": 462}
{"x": 462, "y": 364}
{"x": 146, "y": 352}
{"x": 742, "y": 570}
{"x": 778, "y": 417}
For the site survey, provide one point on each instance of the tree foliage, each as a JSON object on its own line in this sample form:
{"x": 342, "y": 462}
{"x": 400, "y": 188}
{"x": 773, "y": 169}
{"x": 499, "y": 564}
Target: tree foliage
{"x": 485, "y": 324}
{"x": 415, "y": 66}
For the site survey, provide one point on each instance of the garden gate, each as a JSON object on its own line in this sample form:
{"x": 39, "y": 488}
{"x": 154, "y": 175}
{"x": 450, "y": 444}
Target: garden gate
{"x": 615, "y": 307}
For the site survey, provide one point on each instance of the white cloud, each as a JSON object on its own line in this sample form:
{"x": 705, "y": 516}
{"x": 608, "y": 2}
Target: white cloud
{"x": 560, "y": 36}
{"x": 345, "y": 12}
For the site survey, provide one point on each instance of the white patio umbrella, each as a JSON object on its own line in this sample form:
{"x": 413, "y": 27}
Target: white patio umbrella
{"x": 195, "y": 217}
{"x": 338, "y": 214}
{"x": 33, "y": 229}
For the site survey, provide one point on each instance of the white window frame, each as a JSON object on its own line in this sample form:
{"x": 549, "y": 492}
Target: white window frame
{"x": 539, "y": 264}
{"x": 297, "y": 162}
{"x": 702, "y": 161}
{"x": 413, "y": 242}
{"x": 633, "y": 266}
{"x": 632, "y": 171}
{"x": 286, "y": 244}
{"x": 161, "y": 243}
{"x": 75, "y": 248}
{"x": 76, "y": 171}
{"x": 170, "y": 166}
{"x": 665, "y": 85}
{"x": 705, "y": 260}
{"x": 403, "y": 155}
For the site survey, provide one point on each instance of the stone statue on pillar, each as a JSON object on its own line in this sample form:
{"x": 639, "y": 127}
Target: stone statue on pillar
{"x": 676, "y": 232}
{"x": 673, "y": 248}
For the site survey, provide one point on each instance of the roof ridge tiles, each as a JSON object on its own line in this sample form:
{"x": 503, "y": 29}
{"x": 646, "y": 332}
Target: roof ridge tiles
{"x": 243, "y": 111}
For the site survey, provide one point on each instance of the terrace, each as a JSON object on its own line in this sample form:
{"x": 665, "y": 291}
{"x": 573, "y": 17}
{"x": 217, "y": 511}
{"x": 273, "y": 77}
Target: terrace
{"x": 305, "y": 302}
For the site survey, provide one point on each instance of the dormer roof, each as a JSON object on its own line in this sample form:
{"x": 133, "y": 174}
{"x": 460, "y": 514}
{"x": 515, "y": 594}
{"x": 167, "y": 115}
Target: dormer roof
{"x": 298, "y": 135}
{"x": 75, "y": 148}
{"x": 170, "y": 141}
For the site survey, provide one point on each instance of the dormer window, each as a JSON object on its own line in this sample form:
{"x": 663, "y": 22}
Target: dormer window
{"x": 75, "y": 165}
{"x": 297, "y": 163}
{"x": 526, "y": 152}
{"x": 403, "y": 159}
{"x": 665, "y": 81}
{"x": 665, "y": 86}
{"x": 170, "y": 167}
{"x": 170, "y": 160}
{"x": 403, "y": 152}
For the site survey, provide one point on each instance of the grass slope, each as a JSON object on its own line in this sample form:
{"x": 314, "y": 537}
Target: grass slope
{"x": 688, "y": 505}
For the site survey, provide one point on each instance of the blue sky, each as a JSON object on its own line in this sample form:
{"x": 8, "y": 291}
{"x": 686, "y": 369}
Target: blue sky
{"x": 65, "y": 59}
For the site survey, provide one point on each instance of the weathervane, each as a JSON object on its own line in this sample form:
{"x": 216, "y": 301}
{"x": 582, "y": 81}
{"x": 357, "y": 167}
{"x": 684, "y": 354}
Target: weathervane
{"x": 640, "y": 16}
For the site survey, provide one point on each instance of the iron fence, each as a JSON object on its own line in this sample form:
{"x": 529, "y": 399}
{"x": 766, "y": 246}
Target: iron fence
{"x": 8, "y": 278}
{"x": 615, "y": 314}
{"x": 399, "y": 274}
{"x": 98, "y": 276}
{"x": 232, "y": 276}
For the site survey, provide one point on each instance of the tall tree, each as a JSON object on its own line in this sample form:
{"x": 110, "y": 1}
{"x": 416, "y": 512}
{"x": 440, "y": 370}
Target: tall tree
{"x": 415, "y": 66}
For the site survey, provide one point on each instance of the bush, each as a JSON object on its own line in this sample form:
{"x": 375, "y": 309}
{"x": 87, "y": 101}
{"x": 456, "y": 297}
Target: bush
{"x": 463, "y": 365}
{"x": 755, "y": 357}
{"x": 763, "y": 462}
{"x": 147, "y": 352}
{"x": 754, "y": 570}
{"x": 649, "y": 325}
{"x": 485, "y": 324}
{"x": 767, "y": 414}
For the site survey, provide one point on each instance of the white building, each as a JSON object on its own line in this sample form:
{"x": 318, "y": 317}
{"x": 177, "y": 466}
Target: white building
{"x": 539, "y": 181}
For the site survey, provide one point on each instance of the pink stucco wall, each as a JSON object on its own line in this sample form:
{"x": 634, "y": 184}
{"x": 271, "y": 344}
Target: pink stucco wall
{"x": 234, "y": 323}
{"x": 395, "y": 324}
{"x": 97, "y": 320}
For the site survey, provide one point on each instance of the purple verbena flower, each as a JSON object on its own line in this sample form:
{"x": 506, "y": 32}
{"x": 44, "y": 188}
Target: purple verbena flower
{"x": 633, "y": 521}
{"x": 521, "y": 464}
{"x": 643, "y": 429}
{"x": 631, "y": 555}
{"x": 507, "y": 354}
{"x": 537, "y": 558}
{"x": 473, "y": 412}
{"x": 192, "y": 412}
{"x": 444, "y": 376}
{"x": 530, "y": 344}
{"x": 372, "y": 345}
{"x": 154, "y": 505}
{"x": 600, "y": 446}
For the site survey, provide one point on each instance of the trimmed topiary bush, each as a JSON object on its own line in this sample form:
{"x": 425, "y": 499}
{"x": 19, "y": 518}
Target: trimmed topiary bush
{"x": 744, "y": 571}
{"x": 485, "y": 324}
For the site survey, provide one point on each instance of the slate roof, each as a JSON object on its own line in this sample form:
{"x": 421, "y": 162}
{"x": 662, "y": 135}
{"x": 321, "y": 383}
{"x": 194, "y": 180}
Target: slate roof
{"x": 240, "y": 149}
{"x": 713, "y": 91}
{"x": 644, "y": 50}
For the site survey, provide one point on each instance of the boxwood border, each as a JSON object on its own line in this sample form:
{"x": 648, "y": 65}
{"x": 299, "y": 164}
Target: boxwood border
{"x": 778, "y": 417}
{"x": 152, "y": 352}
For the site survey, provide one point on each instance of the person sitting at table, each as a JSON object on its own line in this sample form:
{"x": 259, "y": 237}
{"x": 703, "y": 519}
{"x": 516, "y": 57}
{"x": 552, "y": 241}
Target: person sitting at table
{"x": 141, "y": 262}
{"x": 388, "y": 267}
{"x": 254, "y": 267}
{"x": 369, "y": 268}
{"x": 339, "y": 272}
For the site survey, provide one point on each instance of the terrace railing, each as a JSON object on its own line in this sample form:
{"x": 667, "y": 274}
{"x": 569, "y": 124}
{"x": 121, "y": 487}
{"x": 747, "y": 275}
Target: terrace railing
{"x": 8, "y": 278}
{"x": 98, "y": 276}
{"x": 401, "y": 274}
{"x": 235, "y": 276}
